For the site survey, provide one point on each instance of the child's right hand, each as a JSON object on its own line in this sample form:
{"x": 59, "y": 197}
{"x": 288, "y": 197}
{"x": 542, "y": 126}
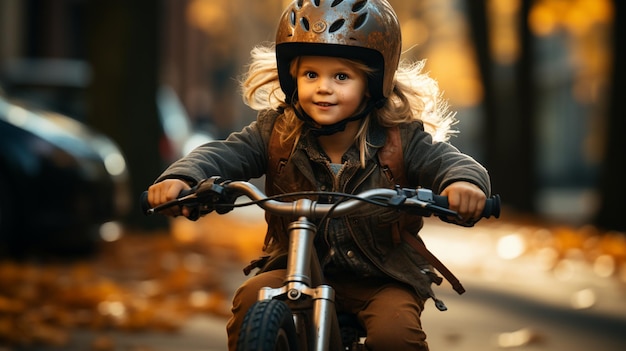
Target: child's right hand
{"x": 165, "y": 191}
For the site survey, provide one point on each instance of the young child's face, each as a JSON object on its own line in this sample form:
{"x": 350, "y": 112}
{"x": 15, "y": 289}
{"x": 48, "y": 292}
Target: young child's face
{"x": 329, "y": 89}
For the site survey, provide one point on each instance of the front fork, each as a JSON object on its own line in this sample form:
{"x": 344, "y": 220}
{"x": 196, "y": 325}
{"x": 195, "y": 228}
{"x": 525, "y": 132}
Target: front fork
{"x": 297, "y": 287}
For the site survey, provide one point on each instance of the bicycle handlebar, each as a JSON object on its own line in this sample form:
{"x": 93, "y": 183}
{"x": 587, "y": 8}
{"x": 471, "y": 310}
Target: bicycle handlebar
{"x": 215, "y": 194}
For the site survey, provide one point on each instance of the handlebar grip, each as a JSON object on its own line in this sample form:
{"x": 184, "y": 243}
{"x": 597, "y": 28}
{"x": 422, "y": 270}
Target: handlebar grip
{"x": 492, "y": 205}
{"x": 145, "y": 205}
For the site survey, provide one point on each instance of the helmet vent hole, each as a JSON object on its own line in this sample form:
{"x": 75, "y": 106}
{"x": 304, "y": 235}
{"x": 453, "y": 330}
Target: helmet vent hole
{"x": 305, "y": 24}
{"x": 336, "y": 2}
{"x": 316, "y": 2}
{"x": 336, "y": 25}
{"x": 292, "y": 18}
{"x": 360, "y": 20}
{"x": 299, "y": 3}
{"x": 359, "y": 5}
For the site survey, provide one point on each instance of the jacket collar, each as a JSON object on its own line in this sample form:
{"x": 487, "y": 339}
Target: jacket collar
{"x": 376, "y": 137}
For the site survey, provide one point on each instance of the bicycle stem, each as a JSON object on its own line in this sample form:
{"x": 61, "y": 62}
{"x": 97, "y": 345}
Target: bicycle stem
{"x": 298, "y": 280}
{"x": 300, "y": 247}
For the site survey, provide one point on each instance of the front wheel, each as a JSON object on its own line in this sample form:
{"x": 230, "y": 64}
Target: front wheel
{"x": 268, "y": 326}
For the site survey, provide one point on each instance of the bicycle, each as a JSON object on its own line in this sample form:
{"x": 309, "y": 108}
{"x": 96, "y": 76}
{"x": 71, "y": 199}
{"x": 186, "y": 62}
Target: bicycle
{"x": 300, "y": 315}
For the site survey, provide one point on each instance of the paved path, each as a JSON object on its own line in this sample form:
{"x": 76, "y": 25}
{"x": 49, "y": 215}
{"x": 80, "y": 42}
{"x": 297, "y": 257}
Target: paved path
{"x": 529, "y": 300}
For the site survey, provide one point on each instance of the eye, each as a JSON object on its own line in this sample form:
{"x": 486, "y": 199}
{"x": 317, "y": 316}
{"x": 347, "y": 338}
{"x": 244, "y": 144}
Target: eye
{"x": 310, "y": 74}
{"x": 342, "y": 76}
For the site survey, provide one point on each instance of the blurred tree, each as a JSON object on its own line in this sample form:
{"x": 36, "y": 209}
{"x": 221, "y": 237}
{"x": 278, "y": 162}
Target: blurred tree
{"x": 123, "y": 47}
{"x": 509, "y": 114}
{"x": 613, "y": 172}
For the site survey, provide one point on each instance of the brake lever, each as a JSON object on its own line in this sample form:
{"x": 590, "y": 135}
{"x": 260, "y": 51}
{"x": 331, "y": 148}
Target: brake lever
{"x": 438, "y": 205}
{"x": 427, "y": 209}
{"x": 427, "y": 196}
{"x": 209, "y": 192}
{"x": 420, "y": 201}
{"x": 399, "y": 198}
{"x": 200, "y": 199}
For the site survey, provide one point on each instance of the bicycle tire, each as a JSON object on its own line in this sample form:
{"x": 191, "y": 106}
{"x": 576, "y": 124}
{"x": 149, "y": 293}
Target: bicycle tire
{"x": 268, "y": 326}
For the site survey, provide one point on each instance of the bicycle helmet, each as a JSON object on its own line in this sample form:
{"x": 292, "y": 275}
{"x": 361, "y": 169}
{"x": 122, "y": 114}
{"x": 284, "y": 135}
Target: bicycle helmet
{"x": 365, "y": 30}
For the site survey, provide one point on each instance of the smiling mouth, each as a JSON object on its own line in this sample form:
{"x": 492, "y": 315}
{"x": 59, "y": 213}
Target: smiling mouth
{"x": 324, "y": 104}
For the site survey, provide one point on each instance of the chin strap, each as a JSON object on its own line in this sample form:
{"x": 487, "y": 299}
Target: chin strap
{"x": 340, "y": 126}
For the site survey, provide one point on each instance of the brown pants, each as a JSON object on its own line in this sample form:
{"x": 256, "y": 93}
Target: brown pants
{"x": 389, "y": 311}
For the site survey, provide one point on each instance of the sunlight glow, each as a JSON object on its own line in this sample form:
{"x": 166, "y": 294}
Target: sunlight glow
{"x": 576, "y": 16}
{"x": 198, "y": 298}
{"x": 583, "y": 299}
{"x": 115, "y": 164}
{"x": 511, "y": 246}
{"x": 517, "y": 338}
{"x": 546, "y": 258}
{"x": 17, "y": 116}
{"x": 112, "y": 308}
{"x": 564, "y": 270}
{"x": 110, "y": 231}
{"x": 604, "y": 266}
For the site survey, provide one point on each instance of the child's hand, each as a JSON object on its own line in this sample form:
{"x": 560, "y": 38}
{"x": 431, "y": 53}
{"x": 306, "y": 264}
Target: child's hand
{"x": 165, "y": 191}
{"x": 467, "y": 199}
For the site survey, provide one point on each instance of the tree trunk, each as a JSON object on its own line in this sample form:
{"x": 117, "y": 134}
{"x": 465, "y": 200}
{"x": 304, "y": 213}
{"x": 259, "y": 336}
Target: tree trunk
{"x": 613, "y": 170}
{"x": 123, "y": 49}
{"x": 508, "y": 107}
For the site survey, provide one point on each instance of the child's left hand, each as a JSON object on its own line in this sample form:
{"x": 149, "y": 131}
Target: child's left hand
{"x": 467, "y": 199}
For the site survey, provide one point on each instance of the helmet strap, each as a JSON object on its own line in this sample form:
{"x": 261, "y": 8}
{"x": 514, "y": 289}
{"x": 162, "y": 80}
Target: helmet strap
{"x": 340, "y": 126}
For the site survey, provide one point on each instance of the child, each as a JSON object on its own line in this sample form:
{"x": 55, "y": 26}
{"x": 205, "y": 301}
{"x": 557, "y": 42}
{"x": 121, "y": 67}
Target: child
{"x": 332, "y": 87}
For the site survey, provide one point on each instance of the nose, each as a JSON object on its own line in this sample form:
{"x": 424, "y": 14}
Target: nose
{"x": 324, "y": 86}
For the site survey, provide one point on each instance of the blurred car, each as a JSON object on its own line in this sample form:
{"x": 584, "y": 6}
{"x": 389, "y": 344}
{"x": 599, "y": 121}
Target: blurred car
{"x": 51, "y": 84}
{"x": 61, "y": 85}
{"x": 179, "y": 136}
{"x": 59, "y": 181}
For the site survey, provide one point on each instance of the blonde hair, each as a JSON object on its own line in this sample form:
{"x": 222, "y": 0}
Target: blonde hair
{"x": 415, "y": 96}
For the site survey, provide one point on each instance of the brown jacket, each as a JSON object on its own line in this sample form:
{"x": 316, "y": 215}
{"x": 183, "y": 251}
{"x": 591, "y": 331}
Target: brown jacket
{"x": 244, "y": 155}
